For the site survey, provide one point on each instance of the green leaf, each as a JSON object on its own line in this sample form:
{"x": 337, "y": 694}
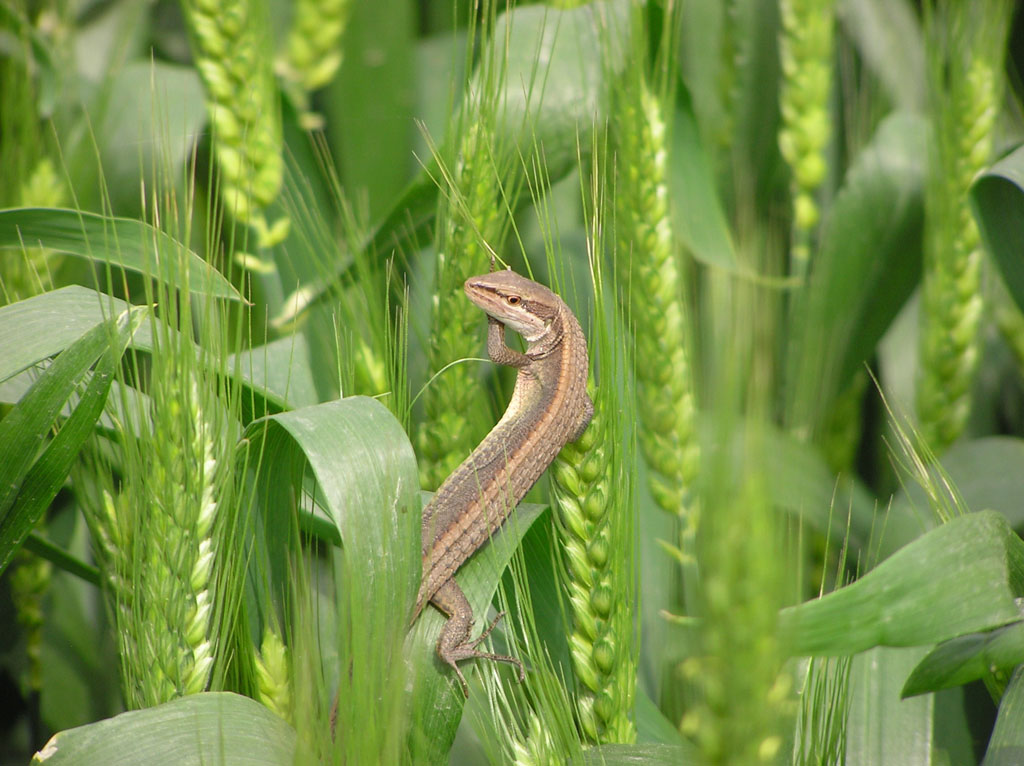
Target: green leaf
{"x": 558, "y": 68}
{"x": 120, "y": 242}
{"x": 968, "y": 658}
{"x": 803, "y": 483}
{"x": 39, "y": 327}
{"x": 868, "y": 264}
{"x": 958, "y": 578}
{"x": 147, "y": 121}
{"x": 366, "y": 482}
{"x": 997, "y": 198}
{"x": 1006, "y": 745}
{"x": 368, "y": 109}
{"x": 652, "y": 727}
{"x": 696, "y": 208}
{"x": 198, "y": 730}
{"x": 635, "y": 755}
{"x": 883, "y": 729}
{"x": 28, "y": 484}
{"x": 279, "y": 371}
{"x": 362, "y": 462}
{"x": 888, "y": 37}
{"x": 437, "y": 698}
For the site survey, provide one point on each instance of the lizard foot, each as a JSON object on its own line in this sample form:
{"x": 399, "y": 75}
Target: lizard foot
{"x": 468, "y": 651}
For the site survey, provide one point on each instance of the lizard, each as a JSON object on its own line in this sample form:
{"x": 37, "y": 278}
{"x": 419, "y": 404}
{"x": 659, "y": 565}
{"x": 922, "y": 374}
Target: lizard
{"x": 549, "y": 408}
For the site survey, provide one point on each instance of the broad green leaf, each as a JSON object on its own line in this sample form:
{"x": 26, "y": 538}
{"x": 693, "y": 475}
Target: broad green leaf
{"x": 888, "y": 37}
{"x": 39, "y": 327}
{"x": 801, "y": 482}
{"x": 279, "y": 371}
{"x": 437, "y": 698}
{"x": 635, "y": 755}
{"x": 696, "y": 208}
{"x": 997, "y": 198}
{"x": 559, "y": 66}
{"x": 120, "y": 242}
{"x": 868, "y": 264}
{"x": 214, "y": 728}
{"x": 958, "y": 578}
{"x": 147, "y": 122}
{"x": 883, "y": 729}
{"x": 368, "y": 109}
{"x": 1006, "y": 745}
{"x": 652, "y": 727}
{"x": 968, "y": 658}
{"x": 366, "y": 481}
{"x": 28, "y": 483}
{"x": 353, "y": 446}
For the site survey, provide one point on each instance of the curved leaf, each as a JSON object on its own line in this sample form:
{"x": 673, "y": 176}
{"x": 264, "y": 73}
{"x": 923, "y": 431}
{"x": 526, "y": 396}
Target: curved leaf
{"x": 637, "y": 755}
{"x": 997, "y": 197}
{"x": 199, "y": 730}
{"x": 958, "y": 578}
{"x": 120, "y": 242}
{"x": 366, "y": 482}
{"x": 882, "y": 729}
{"x": 1006, "y": 746}
{"x": 28, "y": 483}
{"x": 867, "y": 267}
{"x": 39, "y": 327}
{"x": 967, "y": 658}
{"x": 697, "y": 212}
{"x": 888, "y": 36}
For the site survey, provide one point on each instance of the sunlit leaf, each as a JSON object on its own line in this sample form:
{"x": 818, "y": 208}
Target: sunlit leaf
{"x": 120, "y": 242}
{"x": 958, "y": 578}
{"x": 198, "y": 730}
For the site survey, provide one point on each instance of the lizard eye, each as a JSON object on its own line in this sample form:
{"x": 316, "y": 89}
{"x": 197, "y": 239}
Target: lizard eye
{"x": 513, "y": 300}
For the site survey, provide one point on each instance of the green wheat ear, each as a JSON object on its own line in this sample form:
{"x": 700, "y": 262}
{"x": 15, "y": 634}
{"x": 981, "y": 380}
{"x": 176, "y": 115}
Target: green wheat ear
{"x": 590, "y": 508}
{"x": 966, "y": 52}
{"x": 273, "y": 669}
{"x": 648, "y": 269}
{"x": 229, "y": 42}
{"x": 805, "y": 48}
{"x": 313, "y": 52}
{"x": 473, "y": 224}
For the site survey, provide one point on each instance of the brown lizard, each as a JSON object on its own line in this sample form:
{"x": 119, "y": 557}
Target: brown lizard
{"x": 549, "y": 408}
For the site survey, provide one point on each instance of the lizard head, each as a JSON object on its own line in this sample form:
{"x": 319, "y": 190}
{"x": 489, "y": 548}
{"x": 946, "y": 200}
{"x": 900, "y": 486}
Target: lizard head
{"x": 517, "y": 302}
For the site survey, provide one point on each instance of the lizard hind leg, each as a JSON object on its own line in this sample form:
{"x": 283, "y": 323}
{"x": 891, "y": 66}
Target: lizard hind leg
{"x": 455, "y": 644}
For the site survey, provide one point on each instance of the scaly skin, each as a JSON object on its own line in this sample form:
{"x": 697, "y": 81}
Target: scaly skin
{"x": 549, "y": 408}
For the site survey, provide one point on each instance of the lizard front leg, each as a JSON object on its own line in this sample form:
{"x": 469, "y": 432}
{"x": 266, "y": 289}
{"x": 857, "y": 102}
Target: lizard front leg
{"x": 498, "y": 350}
{"x": 455, "y": 644}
